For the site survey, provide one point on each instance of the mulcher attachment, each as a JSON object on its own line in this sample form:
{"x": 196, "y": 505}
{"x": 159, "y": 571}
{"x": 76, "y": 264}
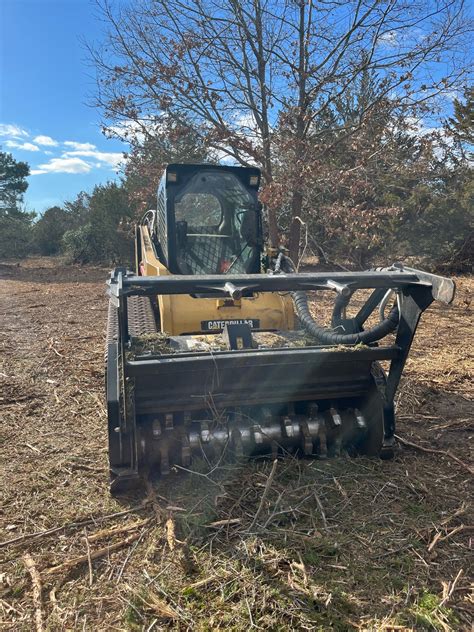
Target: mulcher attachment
{"x": 167, "y": 409}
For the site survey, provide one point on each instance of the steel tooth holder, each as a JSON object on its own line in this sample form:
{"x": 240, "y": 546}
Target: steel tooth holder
{"x": 257, "y": 434}
{"x": 169, "y": 423}
{"x": 313, "y": 409}
{"x": 164, "y": 458}
{"x": 205, "y": 434}
{"x": 306, "y": 439}
{"x": 337, "y": 421}
{"x": 336, "y": 417}
{"x": 185, "y": 449}
{"x": 156, "y": 429}
{"x": 274, "y": 447}
{"x": 323, "y": 444}
{"x": 236, "y": 439}
{"x": 288, "y": 427}
{"x": 360, "y": 419}
{"x": 317, "y": 420}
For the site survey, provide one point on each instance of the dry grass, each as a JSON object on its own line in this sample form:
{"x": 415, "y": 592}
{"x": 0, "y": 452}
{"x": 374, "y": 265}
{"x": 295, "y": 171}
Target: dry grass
{"x": 320, "y": 545}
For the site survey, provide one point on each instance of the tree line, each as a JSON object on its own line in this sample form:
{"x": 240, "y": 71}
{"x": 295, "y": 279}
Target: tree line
{"x": 387, "y": 193}
{"x": 339, "y": 102}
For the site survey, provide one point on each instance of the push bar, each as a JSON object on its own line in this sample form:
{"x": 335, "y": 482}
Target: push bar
{"x": 122, "y": 283}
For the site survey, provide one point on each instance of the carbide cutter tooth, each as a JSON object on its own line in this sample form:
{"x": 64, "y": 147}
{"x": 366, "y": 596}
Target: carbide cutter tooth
{"x": 360, "y": 419}
{"x": 336, "y": 417}
{"x": 337, "y": 421}
{"x": 205, "y": 434}
{"x": 257, "y": 434}
{"x": 288, "y": 426}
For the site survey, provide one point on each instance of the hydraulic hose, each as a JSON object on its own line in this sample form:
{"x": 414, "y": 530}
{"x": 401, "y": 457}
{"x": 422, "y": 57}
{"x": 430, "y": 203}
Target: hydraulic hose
{"x": 327, "y": 336}
{"x": 331, "y": 337}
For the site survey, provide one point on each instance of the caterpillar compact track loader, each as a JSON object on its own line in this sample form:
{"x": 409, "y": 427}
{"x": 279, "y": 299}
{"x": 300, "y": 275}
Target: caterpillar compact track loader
{"x": 212, "y": 346}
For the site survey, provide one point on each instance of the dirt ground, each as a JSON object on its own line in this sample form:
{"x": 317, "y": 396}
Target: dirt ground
{"x": 343, "y": 544}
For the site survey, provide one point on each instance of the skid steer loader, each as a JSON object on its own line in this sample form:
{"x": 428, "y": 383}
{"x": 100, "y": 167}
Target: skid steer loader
{"x": 190, "y": 371}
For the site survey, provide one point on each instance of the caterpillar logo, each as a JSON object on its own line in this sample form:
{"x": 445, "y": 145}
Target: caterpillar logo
{"x": 218, "y": 325}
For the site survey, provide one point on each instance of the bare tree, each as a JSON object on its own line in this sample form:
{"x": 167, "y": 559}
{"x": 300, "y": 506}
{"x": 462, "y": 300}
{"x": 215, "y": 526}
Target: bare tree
{"x": 236, "y": 72}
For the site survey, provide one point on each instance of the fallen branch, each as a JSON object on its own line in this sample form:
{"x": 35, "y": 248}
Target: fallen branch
{"x": 107, "y": 533}
{"x": 76, "y": 561}
{"x": 223, "y": 523}
{"x": 205, "y": 582}
{"x": 71, "y": 525}
{"x": 268, "y": 484}
{"x": 458, "y": 512}
{"x": 449, "y": 588}
{"x": 447, "y": 453}
{"x": 37, "y": 590}
{"x": 159, "y": 606}
{"x": 440, "y": 538}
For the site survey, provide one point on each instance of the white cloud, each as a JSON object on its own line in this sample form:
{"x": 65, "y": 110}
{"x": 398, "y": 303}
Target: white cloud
{"x": 45, "y": 140}
{"x": 131, "y": 131}
{"x": 62, "y": 165}
{"x": 79, "y": 146}
{"x": 25, "y": 146}
{"x": 12, "y": 130}
{"x": 112, "y": 159}
{"x": 389, "y": 39}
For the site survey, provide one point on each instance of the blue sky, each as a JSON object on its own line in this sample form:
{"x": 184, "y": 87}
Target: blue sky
{"x": 45, "y": 84}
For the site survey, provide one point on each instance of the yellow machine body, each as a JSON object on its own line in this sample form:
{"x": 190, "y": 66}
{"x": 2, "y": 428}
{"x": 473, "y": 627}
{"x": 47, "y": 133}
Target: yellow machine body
{"x": 183, "y": 314}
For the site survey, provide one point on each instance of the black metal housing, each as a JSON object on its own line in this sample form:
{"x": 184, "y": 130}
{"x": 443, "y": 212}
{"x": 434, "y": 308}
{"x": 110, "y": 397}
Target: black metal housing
{"x": 168, "y": 384}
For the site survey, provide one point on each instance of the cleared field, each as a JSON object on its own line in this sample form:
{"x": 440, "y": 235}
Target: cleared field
{"x": 347, "y": 544}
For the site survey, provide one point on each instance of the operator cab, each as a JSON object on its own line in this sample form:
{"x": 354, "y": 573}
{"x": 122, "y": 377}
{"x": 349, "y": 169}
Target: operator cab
{"x": 209, "y": 220}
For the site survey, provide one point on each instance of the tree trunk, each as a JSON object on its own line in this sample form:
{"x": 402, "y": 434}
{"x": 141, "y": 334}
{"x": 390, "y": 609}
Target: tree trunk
{"x": 297, "y": 197}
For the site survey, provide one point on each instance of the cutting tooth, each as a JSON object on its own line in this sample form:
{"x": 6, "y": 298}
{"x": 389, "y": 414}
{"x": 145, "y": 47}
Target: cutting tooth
{"x": 205, "y": 434}
{"x": 360, "y": 419}
{"x": 257, "y": 434}
{"x": 337, "y": 421}
{"x": 336, "y": 417}
{"x": 288, "y": 426}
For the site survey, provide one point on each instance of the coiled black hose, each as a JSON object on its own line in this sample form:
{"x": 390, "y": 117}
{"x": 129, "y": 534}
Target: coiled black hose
{"x": 329, "y": 337}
